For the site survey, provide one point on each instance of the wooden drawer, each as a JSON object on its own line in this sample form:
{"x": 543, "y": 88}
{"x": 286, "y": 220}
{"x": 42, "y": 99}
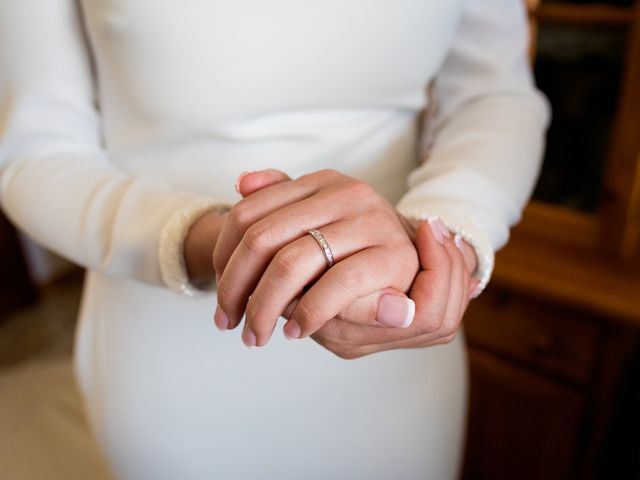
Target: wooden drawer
{"x": 522, "y": 425}
{"x": 545, "y": 336}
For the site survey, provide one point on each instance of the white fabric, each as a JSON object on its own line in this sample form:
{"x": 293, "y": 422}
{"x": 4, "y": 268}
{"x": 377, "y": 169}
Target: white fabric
{"x": 159, "y": 107}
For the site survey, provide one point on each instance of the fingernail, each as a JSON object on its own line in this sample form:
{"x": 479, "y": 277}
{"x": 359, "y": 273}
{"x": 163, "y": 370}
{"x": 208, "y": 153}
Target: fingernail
{"x": 240, "y": 177}
{"x": 476, "y": 291}
{"x": 249, "y": 338}
{"x": 458, "y": 241}
{"x": 291, "y": 330}
{"x": 395, "y": 311}
{"x": 443, "y": 228}
{"x": 221, "y": 320}
{"x": 217, "y": 279}
{"x": 435, "y": 229}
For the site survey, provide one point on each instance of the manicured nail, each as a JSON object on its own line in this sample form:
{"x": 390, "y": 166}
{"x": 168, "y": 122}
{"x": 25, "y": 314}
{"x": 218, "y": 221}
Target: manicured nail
{"x": 395, "y": 311}
{"x": 291, "y": 330}
{"x": 443, "y": 228}
{"x": 458, "y": 241}
{"x": 240, "y": 177}
{"x": 476, "y": 291}
{"x": 435, "y": 229}
{"x": 221, "y": 320}
{"x": 249, "y": 338}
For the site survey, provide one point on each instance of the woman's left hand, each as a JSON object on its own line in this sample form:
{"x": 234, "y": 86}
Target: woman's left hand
{"x": 265, "y": 258}
{"x": 441, "y": 292}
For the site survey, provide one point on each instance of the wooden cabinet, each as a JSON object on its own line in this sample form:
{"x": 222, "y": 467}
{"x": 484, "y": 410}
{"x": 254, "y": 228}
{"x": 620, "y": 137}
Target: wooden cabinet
{"x": 608, "y": 223}
{"x": 553, "y": 340}
{"x": 544, "y": 382}
{"x": 525, "y": 424}
{"x": 547, "y": 338}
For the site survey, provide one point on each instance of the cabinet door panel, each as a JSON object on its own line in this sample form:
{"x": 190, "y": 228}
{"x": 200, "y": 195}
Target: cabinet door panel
{"x": 521, "y": 425}
{"x": 541, "y": 335}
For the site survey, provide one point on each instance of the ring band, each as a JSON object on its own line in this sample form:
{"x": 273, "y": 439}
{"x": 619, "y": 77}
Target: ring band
{"x": 324, "y": 246}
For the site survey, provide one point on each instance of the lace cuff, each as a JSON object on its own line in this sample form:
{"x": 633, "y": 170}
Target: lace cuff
{"x": 171, "y": 250}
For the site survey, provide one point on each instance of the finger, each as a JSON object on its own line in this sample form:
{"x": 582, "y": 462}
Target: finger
{"x": 352, "y": 342}
{"x": 249, "y": 181}
{"x": 261, "y": 203}
{"x": 249, "y": 211}
{"x": 260, "y": 243}
{"x": 430, "y": 292}
{"x": 267, "y": 236}
{"x": 349, "y": 352}
{"x": 431, "y": 289}
{"x": 294, "y": 266}
{"x": 457, "y": 289}
{"x": 357, "y": 276}
{"x": 388, "y": 307}
{"x": 474, "y": 289}
{"x": 456, "y": 305}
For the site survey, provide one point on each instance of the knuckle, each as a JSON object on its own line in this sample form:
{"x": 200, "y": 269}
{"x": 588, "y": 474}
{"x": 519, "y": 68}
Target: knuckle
{"x": 329, "y": 173}
{"x": 441, "y": 270}
{"x": 257, "y": 240}
{"x": 329, "y": 334}
{"x": 402, "y": 258}
{"x": 224, "y": 296}
{"x": 321, "y": 338}
{"x": 359, "y": 189}
{"x": 372, "y": 313}
{"x": 456, "y": 254}
{"x": 430, "y": 325}
{"x": 447, "y": 262}
{"x": 286, "y": 263}
{"x": 349, "y": 282}
{"x": 450, "y": 327}
{"x": 449, "y": 338}
{"x": 307, "y": 316}
{"x": 320, "y": 176}
{"x": 241, "y": 214}
{"x": 346, "y": 353}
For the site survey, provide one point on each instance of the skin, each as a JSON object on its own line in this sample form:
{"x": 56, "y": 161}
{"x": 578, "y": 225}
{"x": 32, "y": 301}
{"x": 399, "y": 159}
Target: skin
{"x": 269, "y": 266}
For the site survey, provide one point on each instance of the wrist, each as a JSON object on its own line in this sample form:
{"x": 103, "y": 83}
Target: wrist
{"x": 198, "y": 247}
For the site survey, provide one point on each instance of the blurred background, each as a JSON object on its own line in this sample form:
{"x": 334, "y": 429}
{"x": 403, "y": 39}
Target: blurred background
{"x": 554, "y": 342}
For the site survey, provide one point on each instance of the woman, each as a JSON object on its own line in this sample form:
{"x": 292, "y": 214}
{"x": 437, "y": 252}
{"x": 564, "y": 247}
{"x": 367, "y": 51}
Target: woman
{"x": 126, "y": 123}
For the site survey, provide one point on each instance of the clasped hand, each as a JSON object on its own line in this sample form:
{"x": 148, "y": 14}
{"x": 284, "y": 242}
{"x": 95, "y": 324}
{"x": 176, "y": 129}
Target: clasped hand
{"x": 267, "y": 266}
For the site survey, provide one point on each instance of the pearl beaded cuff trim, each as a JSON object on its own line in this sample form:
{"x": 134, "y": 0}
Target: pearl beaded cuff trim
{"x": 469, "y": 232}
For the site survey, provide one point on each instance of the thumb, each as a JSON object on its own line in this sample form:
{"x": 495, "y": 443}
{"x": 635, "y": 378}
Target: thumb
{"x": 249, "y": 182}
{"x": 387, "y": 308}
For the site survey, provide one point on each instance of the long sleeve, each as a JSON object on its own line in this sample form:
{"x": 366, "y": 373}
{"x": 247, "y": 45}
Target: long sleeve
{"x": 57, "y": 182}
{"x": 483, "y": 141}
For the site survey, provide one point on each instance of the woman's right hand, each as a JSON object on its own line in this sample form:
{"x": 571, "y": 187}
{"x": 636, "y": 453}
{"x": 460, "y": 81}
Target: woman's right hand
{"x": 441, "y": 292}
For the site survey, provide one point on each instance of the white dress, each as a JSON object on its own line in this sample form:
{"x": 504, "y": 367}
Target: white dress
{"x": 122, "y": 120}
